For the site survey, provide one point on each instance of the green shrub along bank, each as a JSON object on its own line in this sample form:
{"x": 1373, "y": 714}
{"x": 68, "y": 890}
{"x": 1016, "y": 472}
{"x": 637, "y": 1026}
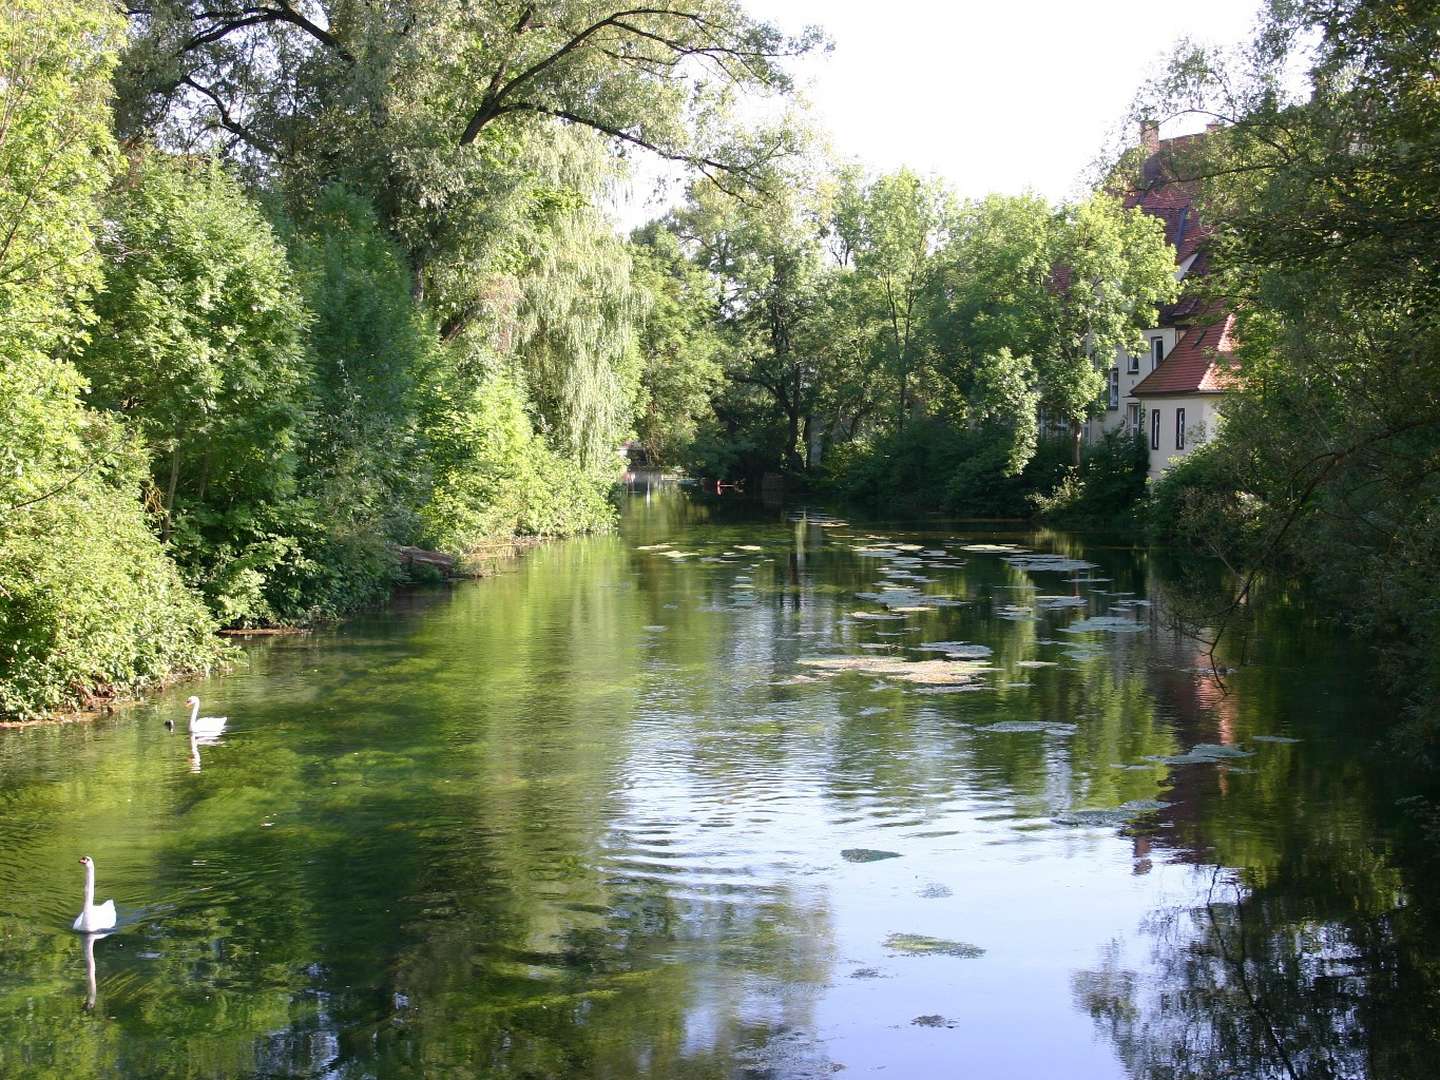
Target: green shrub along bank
{"x": 931, "y": 468}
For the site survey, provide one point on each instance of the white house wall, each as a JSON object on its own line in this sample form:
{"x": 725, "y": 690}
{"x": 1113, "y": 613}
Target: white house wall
{"x": 1202, "y": 416}
{"x": 1111, "y": 419}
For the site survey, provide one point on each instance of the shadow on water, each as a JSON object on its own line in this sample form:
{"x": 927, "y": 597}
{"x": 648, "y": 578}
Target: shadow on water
{"x": 597, "y": 816}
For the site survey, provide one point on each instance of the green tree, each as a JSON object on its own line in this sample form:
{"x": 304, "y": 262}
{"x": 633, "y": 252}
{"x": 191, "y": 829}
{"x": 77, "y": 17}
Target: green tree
{"x": 898, "y": 223}
{"x": 1116, "y": 269}
{"x": 200, "y": 335}
{"x": 88, "y": 600}
{"x": 765, "y": 255}
{"x": 1331, "y": 447}
{"x": 679, "y": 345}
{"x": 199, "y": 345}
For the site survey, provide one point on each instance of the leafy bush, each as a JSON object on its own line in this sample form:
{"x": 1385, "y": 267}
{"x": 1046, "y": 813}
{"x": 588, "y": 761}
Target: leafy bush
{"x": 494, "y": 477}
{"x": 1106, "y": 489}
{"x": 1200, "y": 503}
{"x": 930, "y": 466}
{"x": 89, "y": 602}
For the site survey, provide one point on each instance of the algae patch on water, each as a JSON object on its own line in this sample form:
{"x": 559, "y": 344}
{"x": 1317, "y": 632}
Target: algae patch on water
{"x": 1119, "y": 815}
{"x": 934, "y": 1020}
{"x": 1203, "y": 753}
{"x": 919, "y": 672}
{"x": 861, "y": 854}
{"x": 920, "y": 945}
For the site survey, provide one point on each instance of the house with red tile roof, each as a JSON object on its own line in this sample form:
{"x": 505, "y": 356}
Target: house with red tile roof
{"x": 1171, "y": 392}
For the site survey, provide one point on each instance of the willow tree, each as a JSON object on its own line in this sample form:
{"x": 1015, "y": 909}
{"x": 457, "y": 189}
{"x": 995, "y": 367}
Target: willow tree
{"x": 577, "y": 320}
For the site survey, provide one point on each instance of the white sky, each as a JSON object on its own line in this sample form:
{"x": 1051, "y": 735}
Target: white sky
{"x": 990, "y": 96}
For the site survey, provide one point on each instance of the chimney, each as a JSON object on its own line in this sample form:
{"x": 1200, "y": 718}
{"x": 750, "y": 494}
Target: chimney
{"x": 1149, "y": 136}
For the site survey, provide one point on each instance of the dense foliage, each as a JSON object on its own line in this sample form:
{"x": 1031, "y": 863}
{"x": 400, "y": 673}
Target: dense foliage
{"x": 1329, "y": 457}
{"x": 900, "y": 348}
{"x": 88, "y": 599}
{"x": 344, "y": 285}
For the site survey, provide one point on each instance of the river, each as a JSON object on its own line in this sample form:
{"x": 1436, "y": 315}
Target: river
{"x": 619, "y": 812}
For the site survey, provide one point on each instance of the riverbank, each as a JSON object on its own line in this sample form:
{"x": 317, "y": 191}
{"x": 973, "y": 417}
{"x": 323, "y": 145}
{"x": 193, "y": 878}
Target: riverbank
{"x": 97, "y": 702}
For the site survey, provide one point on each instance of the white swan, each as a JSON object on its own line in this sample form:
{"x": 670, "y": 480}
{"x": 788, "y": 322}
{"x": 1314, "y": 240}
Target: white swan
{"x": 93, "y": 917}
{"x": 205, "y": 727}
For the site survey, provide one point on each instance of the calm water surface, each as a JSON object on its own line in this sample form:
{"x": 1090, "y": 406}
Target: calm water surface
{"x": 596, "y": 817}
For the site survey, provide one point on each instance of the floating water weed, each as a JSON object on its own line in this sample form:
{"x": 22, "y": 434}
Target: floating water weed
{"x": 1113, "y": 624}
{"x": 920, "y": 945}
{"x": 919, "y": 672}
{"x": 1204, "y": 753}
{"x": 1025, "y": 726}
{"x": 1056, "y": 563}
{"x": 863, "y": 855}
{"x": 959, "y": 650}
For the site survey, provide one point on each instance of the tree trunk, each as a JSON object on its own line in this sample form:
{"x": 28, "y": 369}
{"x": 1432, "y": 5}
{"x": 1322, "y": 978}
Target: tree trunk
{"x": 1077, "y": 430}
{"x": 170, "y": 490}
{"x": 793, "y": 461}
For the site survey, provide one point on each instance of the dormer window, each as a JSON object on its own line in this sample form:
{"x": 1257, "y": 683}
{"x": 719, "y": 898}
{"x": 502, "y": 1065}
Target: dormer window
{"x": 1157, "y": 352}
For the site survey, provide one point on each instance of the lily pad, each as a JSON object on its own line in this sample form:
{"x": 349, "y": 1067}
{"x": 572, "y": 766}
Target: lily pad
{"x": 920, "y": 945}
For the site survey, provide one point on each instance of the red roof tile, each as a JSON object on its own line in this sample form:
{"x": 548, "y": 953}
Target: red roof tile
{"x": 1172, "y": 201}
{"x": 1200, "y": 363}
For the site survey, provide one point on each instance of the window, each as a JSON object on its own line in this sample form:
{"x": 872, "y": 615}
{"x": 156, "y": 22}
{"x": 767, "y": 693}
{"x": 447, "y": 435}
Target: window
{"x": 1132, "y": 363}
{"x": 1114, "y": 388}
{"x": 1157, "y": 352}
{"x": 1154, "y": 429}
{"x": 1132, "y": 418}
{"x": 1179, "y": 429}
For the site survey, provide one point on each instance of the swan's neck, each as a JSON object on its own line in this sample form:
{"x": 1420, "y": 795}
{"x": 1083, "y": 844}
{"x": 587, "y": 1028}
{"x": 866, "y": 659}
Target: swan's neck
{"x": 89, "y": 885}
{"x": 194, "y": 711}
